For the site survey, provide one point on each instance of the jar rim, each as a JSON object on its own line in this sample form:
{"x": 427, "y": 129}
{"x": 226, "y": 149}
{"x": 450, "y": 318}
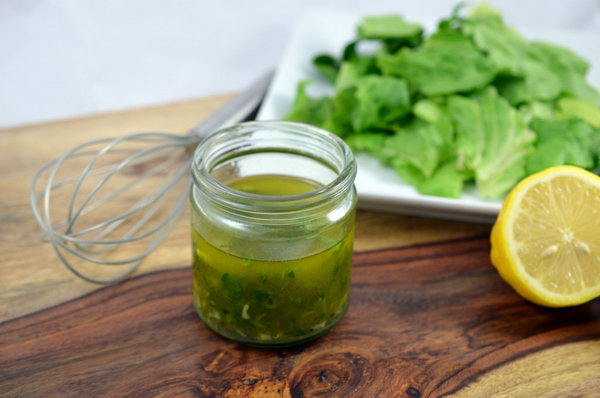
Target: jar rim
{"x": 202, "y": 166}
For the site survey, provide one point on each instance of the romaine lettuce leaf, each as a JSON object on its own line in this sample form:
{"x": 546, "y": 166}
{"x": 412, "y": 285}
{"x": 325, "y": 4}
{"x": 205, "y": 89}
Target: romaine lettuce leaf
{"x": 374, "y": 144}
{"x": 446, "y": 181}
{"x": 352, "y": 71}
{"x": 492, "y": 140}
{"x": 435, "y": 112}
{"x": 524, "y": 75}
{"x": 339, "y": 117}
{"x": 327, "y": 65}
{"x": 542, "y": 110}
{"x": 419, "y": 163}
{"x": 580, "y": 108}
{"x": 393, "y": 30}
{"x": 569, "y": 69}
{"x": 409, "y": 145}
{"x": 387, "y": 27}
{"x": 566, "y": 141}
{"x": 418, "y": 144}
{"x": 381, "y": 101}
{"x": 371, "y": 102}
{"x": 447, "y": 63}
{"x": 306, "y": 109}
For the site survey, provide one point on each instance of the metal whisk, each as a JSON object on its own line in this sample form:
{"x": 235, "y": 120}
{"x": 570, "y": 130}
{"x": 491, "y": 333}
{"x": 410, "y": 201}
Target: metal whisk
{"x": 130, "y": 190}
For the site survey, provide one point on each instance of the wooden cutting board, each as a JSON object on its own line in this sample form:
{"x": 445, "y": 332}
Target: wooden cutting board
{"x": 429, "y": 316}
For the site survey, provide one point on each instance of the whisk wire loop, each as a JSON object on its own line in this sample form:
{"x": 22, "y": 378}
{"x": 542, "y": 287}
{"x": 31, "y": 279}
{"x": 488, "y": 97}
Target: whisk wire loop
{"x": 149, "y": 170}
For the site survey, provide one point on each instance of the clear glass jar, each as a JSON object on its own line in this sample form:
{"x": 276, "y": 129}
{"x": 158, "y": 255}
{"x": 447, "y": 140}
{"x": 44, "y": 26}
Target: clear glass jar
{"x": 273, "y": 214}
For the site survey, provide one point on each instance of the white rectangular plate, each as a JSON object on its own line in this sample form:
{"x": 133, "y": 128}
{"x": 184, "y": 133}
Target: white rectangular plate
{"x": 379, "y": 187}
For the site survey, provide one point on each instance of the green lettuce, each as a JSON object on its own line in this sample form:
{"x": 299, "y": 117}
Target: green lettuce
{"x": 393, "y": 30}
{"x": 418, "y": 152}
{"x": 381, "y": 101}
{"x": 328, "y": 66}
{"x": 569, "y": 69}
{"x": 387, "y": 27}
{"x": 523, "y": 76}
{"x": 492, "y": 140}
{"x": 473, "y": 102}
{"x": 306, "y": 109}
{"x": 566, "y": 141}
{"x": 446, "y": 181}
{"x": 447, "y": 63}
{"x": 580, "y": 108}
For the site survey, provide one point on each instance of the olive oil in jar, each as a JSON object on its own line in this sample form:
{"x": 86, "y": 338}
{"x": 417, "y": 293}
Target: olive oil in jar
{"x": 272, "y": 213}
{"x": 274, "y": 299}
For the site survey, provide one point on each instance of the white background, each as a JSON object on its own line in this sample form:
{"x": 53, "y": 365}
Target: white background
{"x": 65, "y": 58}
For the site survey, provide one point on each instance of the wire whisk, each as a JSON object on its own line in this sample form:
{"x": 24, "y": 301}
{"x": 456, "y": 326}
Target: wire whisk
{"x": 129, "y": 191}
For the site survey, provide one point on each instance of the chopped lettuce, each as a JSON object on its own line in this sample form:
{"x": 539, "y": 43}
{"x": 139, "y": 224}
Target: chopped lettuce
{"x": 473, "y": 102}
{"x": 328, "y": 66}
{"x": 570, "y": 70}
{"x": 381, "y": 101}
{"x": 387, "y": 27}
{"x": 580, "y": 108}
{"x": 535, "y": 109}
{"x": 492, "y": 140}
{"x": 349, "y": 75}
{"x": 447, "y": 181}
{"x": 413, "y": 144}
{"x": 435, "y": 113}
{"x": 368, "y": 103}
{"x": 339, "y": 118}
{"x": 523, "y": 76}
{"x": 447, "y": 63}
{"x": 566, "y": 141}
{"x": 418, "y": 153}
{"x": 409, "y": 145}
{"x": 393, "y": 30}
{"x": 375, "y": 144}
{"x": 307, "y": 109}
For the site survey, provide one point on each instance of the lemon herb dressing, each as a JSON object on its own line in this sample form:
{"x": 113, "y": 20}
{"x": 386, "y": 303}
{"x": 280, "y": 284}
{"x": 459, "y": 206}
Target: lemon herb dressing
{"x": 272, "y": 216}
{"x": 272, "y": 300}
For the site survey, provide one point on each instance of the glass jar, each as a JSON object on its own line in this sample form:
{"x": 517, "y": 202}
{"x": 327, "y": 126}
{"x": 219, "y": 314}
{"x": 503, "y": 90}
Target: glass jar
{"x": 273, "y": 214}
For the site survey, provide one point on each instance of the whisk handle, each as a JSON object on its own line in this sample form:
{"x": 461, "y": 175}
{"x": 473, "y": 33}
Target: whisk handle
{"x": 237, "y": 109}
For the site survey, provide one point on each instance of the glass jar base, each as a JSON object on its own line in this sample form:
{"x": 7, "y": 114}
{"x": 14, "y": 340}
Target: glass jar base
{"x": 272, "y": 343}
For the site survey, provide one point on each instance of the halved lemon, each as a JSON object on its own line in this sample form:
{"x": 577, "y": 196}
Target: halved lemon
{"x": 546, "y": 240}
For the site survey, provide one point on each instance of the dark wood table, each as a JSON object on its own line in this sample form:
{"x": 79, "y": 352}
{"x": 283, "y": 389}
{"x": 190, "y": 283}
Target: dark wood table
{"x": 429, "y": 316}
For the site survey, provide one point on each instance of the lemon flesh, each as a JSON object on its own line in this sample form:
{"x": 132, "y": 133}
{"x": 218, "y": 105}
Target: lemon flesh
{"x": 546, "y": 240}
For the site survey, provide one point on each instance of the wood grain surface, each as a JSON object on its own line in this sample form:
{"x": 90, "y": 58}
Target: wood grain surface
{"x": 424, "y": 321}
{"x": 429, "y": 316}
